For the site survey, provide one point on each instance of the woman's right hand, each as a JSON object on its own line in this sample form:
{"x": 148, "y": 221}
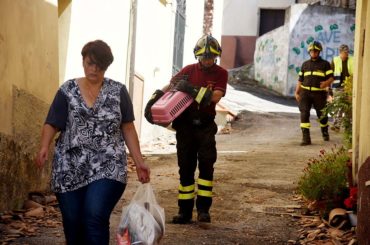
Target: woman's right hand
{"x": 42, "y": 156}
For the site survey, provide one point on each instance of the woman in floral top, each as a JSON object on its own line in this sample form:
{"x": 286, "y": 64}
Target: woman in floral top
{"x": 94, "y": 116}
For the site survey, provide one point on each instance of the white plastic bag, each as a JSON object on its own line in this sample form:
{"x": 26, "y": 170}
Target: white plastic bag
{"x": 143, "y": 220}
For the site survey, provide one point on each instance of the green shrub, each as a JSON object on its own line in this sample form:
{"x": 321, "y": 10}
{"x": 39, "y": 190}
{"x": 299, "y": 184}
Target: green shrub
{"x": 342, "y": 104}
{"x": 325, "y": 178}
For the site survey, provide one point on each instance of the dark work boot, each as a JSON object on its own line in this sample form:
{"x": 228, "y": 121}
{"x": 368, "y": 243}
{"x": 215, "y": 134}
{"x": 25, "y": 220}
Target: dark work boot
{"x": 306, "y": 138}
{"x": 325, "y": 133}
{"x": 182, "y": 218}
{"x": 203, "y": 216}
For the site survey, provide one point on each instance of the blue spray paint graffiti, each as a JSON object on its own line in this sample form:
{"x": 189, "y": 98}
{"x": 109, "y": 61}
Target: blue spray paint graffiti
{"x": 324, "y": 24}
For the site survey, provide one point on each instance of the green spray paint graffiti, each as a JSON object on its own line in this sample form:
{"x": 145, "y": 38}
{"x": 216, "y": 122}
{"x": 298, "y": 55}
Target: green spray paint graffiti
{"x": 325, "y": 37}
{"x": 353, "y": 28}
{"x": 309, "y": 40}
{"x": 318, "y": 28}
{"x": 333, "y": 27}
{"x": 296, "y": 50}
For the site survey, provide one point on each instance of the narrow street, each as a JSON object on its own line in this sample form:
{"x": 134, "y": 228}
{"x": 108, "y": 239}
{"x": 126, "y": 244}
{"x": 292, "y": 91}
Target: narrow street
{"x": 258, "y": 165}
{"x": 255, "y": 175}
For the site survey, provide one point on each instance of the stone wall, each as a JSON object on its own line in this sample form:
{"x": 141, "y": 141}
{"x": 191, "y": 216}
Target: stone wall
{"x": 18, "y": 173}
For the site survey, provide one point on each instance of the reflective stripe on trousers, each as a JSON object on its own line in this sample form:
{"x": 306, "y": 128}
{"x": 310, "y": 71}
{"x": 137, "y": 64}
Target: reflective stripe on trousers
{"x": 317, "y": 100}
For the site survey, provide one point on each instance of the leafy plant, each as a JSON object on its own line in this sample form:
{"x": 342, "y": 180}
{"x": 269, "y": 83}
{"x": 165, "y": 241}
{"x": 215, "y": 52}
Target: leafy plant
{"x": 325, "y": 177}
{"x": 342, "y": 104}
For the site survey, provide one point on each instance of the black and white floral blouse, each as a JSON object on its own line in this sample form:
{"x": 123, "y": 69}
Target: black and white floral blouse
{"x": 90, "y": 145}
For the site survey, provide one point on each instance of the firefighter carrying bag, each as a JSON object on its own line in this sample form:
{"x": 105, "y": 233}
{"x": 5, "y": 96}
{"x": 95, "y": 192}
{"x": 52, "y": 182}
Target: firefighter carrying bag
{"x": 142, "y": 220}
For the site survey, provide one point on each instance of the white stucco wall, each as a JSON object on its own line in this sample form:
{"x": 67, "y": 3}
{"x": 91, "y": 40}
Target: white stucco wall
{"x": 154, "y": 47}
{"x": 83, "y": 22}
{"x": 109, "y": 20}
{"x": 194, "y": 26}
{"x": 247, "y": 12}
{"x": 329, "y": 25}
{"x": 154, "y": 51}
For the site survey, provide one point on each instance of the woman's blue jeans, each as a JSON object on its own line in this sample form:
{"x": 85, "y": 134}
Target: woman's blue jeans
{"x": 86, "y": 211}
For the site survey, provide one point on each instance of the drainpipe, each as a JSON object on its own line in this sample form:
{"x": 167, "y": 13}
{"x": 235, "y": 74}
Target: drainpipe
{"x": 130, "y": 59}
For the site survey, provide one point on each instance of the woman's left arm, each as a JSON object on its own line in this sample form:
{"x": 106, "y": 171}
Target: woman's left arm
{"x": 132, "y": 142}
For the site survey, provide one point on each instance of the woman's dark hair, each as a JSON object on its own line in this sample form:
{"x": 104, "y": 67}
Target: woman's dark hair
{"x": 99, "y": 52}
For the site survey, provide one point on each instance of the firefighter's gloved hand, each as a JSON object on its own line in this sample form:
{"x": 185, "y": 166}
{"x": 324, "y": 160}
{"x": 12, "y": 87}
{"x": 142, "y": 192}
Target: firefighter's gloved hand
{"x": 148, "y": 112}
{"x": 201, "y": 95}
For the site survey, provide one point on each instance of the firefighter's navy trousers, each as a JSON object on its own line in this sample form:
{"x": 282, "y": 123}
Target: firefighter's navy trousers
{"x": 317, "y": 99}
{"x": 196, "y": 145}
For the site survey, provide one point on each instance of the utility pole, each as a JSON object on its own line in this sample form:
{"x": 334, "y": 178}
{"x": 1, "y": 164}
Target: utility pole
{"x": 130, "y": 59}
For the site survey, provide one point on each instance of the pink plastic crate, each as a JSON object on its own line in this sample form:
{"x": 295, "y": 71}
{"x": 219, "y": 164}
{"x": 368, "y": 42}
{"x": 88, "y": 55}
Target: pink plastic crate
{"x": 170, "y": 106}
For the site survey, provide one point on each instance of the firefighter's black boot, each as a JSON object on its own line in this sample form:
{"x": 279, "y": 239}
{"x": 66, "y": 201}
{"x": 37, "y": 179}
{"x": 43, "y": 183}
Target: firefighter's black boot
{"x": 185, "y": 212}
{"x": 306, "y": 138}
{"x": 203, "y": 216}
{"x": 182, "y": 218}
{"x": 325, "y": 133}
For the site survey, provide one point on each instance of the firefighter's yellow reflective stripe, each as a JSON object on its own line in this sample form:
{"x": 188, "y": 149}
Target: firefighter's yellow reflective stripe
{"x": 200, "y": 51}
{"x": 324, "y": 125}
{"x": 186, "y": 196}
{"x": 305, "y": 125}
{"x": 204, "y": 182}
{"x": 300, "y": 73}
{"x": 204, "y": 193}
{"x": 314, "y": 73}
{"x": 186, "y": 188}
{"x": 203, "y": 50}
{"x": 319, "y": 74}
{"x": 328, "y": 72}
{"x": 200, "y": 94}
{"x": 214, "y": 51}
{"x": 316, "y": 47}
{"x": 312, "y": 88}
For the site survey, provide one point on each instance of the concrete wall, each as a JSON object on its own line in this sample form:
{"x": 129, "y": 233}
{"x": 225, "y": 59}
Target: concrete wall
{"x": 329, "y": 25}
{"x": 271, "y": 59}
{"x": 361, "y": 117}
{"x": 361, "y": 87}
{"x": 334, "y": 3}
{"x": 239, "y": 34}
{"x": 28, "y": 72}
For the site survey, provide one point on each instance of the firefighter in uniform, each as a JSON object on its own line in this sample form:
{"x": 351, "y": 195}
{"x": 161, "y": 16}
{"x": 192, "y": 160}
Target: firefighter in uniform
{"x": 315, "y": 78}
{"x": 343, "y": 68}
{"x": 195, "y": 128}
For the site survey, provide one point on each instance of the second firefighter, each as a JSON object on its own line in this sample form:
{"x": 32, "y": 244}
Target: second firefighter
{"x": 315, "y": 78}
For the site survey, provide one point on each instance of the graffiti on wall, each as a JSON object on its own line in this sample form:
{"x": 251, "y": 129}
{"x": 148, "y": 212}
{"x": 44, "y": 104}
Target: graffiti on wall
{"x": 280, "y": 53}
{"x": 331, "y": 32}
{"x": 270, "y": 54}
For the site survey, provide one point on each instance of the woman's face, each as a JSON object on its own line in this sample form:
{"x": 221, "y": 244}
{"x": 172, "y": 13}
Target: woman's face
{"x": 92, "y": 71}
